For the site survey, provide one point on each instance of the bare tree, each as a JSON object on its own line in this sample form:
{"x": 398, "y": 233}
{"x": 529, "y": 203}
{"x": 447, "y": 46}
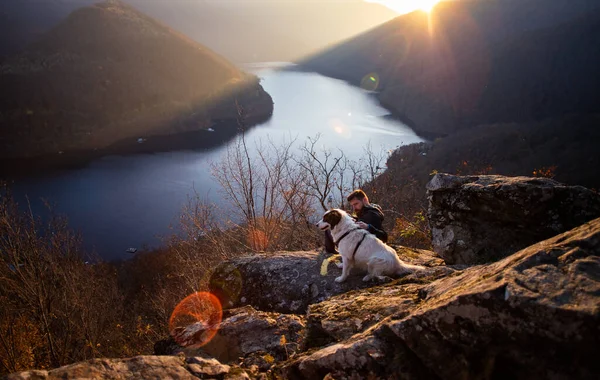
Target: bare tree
{"x": 319, "y": 168}
{"x": 334, "y": 179}
{"x": 266, "y": 191}
{"x": 374, "y": 163}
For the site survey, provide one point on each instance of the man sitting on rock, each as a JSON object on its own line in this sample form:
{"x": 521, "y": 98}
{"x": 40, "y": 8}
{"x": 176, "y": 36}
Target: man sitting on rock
{"x": 368, "y": 216}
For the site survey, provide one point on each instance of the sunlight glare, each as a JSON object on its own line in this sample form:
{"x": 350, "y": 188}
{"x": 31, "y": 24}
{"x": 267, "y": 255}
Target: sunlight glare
{"x": 406, "y": 6}
{"x": 427, "y": 5}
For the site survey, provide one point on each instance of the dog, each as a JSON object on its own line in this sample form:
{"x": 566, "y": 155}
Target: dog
{"x": 360, "y": 248}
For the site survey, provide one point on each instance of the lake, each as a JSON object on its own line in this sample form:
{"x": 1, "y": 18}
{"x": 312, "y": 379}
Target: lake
{"x": 118, "y": 202}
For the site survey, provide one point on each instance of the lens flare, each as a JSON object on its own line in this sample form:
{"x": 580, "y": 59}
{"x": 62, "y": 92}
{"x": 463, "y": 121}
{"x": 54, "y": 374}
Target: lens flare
{"x": 339, "y": 127}
{"x": 195, "y": 320}
{"x": 370, "y": 82}
{"x": 257, "y": 239}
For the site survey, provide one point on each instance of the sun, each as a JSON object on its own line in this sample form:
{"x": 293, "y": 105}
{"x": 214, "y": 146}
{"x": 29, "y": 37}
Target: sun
{"x": 406, "y": 6}
{"x": 427, "y": 5}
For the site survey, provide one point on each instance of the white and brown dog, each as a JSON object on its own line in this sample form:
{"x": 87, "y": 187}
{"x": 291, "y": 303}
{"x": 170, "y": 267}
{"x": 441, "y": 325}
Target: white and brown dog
{"x": 362, "y": 249}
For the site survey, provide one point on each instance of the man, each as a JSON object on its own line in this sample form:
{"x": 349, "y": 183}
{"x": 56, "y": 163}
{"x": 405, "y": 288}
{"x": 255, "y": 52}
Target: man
{"x": 369, "y": 217}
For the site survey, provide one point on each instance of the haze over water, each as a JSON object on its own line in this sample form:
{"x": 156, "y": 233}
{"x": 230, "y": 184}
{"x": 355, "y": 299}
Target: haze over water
{"x": 119, "y": 202}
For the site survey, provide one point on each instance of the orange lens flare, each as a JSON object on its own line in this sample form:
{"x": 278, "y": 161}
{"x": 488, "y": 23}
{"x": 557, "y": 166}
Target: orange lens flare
{"x": 339, "y": 127}
{"x": 196, "y": 319}
{"x": 257, "y": 240}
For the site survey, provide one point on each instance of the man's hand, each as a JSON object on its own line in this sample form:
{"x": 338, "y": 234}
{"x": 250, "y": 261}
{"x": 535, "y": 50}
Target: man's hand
{"x": 362, "y": 225}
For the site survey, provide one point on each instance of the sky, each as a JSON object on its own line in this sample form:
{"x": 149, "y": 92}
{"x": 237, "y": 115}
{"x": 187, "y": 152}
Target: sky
{"x": 400, "y": 6}
{"x": 405, "y": 6}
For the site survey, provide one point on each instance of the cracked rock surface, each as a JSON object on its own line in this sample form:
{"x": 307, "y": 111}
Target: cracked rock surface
{"x": 479, "y": 219}
{"x": 535, "y": 314}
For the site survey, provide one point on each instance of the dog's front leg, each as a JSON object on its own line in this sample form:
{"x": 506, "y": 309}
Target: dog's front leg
{"x": 345, "y": 270}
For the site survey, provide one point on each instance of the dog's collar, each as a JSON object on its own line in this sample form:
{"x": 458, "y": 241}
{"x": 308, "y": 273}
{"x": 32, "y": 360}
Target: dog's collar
{"x": 344, "y": 235}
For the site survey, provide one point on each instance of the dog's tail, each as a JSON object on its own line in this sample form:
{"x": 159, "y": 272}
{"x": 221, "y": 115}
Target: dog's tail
{"x": 405, "y": 269}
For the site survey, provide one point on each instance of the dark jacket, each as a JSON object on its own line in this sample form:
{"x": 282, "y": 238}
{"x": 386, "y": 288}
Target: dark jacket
{"x": 373, "y": 216}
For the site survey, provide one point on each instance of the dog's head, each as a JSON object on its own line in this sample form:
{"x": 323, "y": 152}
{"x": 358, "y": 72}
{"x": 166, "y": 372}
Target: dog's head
{"x": 331, "y": 219}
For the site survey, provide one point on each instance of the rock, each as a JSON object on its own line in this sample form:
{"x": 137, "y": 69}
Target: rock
{"x": 258, "y": 361}
{"x": 287, "y": 282}
{"x": 206, "y": 367}
{"x": 281, "y": 282}
{"x": 418, "y": 256}
{"x": 140, "y": 367}
{"x": 375, "y": 354}
{"x": 246, "y": 331}
{"x": 479, "y": 219}
{"x": 342, "y": 316}
{"x": 238, "y": 374}
{"x": 535, "y": 314}
{"x": 166, "y": 347}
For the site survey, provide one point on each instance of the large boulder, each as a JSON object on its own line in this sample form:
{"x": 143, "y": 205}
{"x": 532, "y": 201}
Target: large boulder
{"x": 287, "y": 282}
{"x": 479, "y": 219}
{"x": 140, "y": 367}
{"x": 535, "y": 314}
{"x": 345, "y": 315}
{"x": 374, "y": 354}
{"x": 246, "y": 332}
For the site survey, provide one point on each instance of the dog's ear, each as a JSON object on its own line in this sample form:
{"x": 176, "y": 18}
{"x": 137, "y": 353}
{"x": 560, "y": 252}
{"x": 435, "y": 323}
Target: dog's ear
{"x": 332, "y": 217}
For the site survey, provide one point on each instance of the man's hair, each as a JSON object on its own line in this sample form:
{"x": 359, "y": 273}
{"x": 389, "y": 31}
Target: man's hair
{"x": 357, "y": 194}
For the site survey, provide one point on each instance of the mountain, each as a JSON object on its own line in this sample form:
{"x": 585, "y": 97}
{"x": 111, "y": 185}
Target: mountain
{"x": 476, "y": 62}
{"x": 108, "y": 73}
{"x": 241, "y": 30}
